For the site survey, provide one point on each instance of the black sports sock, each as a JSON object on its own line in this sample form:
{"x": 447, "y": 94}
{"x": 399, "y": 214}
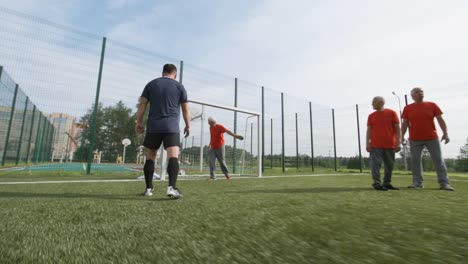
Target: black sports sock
{"x": 148, "y": 169}
{"x": 173, "y": 171}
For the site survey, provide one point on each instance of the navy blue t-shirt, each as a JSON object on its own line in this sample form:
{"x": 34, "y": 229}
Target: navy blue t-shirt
{"x": 165, "y": 96}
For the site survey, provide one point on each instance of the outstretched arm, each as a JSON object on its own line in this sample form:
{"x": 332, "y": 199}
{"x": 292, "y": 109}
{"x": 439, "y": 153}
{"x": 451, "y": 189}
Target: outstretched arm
{"x": 186, "y": 115}
{"x": 142, "y": 103}
{"x": 443, "y": 126}
{"x": 229, "y": 132}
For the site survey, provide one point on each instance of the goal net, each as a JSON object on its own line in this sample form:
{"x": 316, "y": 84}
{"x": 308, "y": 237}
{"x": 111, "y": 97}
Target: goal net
{"x": 242, "y": 157}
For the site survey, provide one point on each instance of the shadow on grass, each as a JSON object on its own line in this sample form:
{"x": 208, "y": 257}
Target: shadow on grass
{"x": 333, "y": 190}
{"x": 311, "y": 190}
{"x": 82, "y": 195}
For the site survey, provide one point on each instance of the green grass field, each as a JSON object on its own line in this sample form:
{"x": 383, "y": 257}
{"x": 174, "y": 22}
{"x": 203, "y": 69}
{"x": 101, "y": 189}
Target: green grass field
{"x": 327, "y": 219}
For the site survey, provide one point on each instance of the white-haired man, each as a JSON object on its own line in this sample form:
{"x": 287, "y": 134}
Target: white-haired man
{"x": 216, "y": 147}
{"x": 382, "y": 141}
{"x": 419, "y": 118}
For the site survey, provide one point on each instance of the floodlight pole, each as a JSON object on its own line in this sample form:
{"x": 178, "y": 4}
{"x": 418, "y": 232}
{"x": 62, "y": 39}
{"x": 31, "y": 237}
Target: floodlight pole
{"x": 401, "y": 124}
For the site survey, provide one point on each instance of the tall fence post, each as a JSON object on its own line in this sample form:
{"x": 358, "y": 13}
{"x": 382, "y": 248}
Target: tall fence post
{"x": 18, "y": 151}
{"x": 181, "y": 78}
{"x": 282, "y": 133}
{"x": 30, "y": 134}
{"x": 37, "y": 145}
{"x": 45, "y": 134}
{"x": 202, "y": 129}
{"x": 311, "y": 137}
{"x": 181, "y": 71}
{"x": 50, "y": 142}
{"x": 251, "y": 145}
{"x": 235, "y": 128}
{"x": 297, "y": 145}
{"x": 41, "y": 140}
{"x": 334, "y": 138}
{"x": 12, "y": 115}
{"x": 271, "y": 143}
{"x": 96, "y": 103}
{"x": 263, "y": 129}
{"x": 359, "y": 138}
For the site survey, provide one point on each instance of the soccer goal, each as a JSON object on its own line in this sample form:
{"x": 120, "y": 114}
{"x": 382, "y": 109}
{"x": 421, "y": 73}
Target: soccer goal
{"x": 243, "y": 158}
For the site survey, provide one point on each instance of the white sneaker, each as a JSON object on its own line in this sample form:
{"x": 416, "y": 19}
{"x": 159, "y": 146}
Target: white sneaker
{"x": 148, "y": 192}
{"x": 173, "y": 193}
{"x": 447, "y": 187}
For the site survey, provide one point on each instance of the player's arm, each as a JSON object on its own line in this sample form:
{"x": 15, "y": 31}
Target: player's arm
{"x": 229, "y": 132}
{"x": 368, "y": 136}
{"x": 142, "y": 103}
{"x": 404, "y": 127}
{"x": 186, "y": 116}
{"x": 396, "y": 127}
{"x": 443, "y": 126}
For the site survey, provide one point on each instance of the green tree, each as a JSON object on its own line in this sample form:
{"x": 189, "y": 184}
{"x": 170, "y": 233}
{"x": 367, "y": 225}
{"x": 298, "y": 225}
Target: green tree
{"x": 113, "y": 124}
{"x": 462, "y": 159}
{"x": 82, "y": 152}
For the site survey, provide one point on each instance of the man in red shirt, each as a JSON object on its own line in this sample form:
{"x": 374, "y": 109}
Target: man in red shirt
{"x": 216, "y": 147}
{"x": 419, "y": 118}
{"x": 382, "y": 141}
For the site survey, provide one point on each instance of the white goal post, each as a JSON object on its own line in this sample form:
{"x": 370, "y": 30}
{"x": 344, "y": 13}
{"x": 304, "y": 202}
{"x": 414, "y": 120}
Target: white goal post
{"x": 200, "y": 141}
{"x": 238, "y": 110}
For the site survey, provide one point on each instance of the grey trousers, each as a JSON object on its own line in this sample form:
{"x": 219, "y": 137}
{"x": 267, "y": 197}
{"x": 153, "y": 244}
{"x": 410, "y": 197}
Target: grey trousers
{"x": 217, "y": 154}
{"x": 377, "y": 156}
{"x": 433, "y": 146}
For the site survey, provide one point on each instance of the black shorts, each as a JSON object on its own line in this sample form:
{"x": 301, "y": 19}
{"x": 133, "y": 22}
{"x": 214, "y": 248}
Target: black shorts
{"x": 154, "y": 140}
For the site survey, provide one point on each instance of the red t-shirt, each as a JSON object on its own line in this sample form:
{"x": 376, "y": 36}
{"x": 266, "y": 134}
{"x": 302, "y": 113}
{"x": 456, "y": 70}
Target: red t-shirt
{"x": 217, "y": 136}
{"x": 421, "y": 120}
{"x": 382, "y": 125}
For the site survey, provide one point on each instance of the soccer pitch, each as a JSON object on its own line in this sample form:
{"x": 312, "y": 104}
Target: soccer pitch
{"x": 304, "y": 219}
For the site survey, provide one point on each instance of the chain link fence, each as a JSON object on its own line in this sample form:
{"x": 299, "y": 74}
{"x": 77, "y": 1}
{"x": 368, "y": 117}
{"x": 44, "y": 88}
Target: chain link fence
{"x": 69, "y": 97}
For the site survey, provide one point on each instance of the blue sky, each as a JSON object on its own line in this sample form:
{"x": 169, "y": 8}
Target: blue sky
{"x": 337, "y": 53}
{"x": 361, "y": 48}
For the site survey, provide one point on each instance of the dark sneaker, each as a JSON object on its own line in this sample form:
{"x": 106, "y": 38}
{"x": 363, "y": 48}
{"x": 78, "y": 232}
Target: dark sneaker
{"x": 228, "y": 177}
{"x": 416, "y": 186}
{"x": 379, "y": 188}
{"x": 447, "y": 187}
{"x": 390, "y": 187}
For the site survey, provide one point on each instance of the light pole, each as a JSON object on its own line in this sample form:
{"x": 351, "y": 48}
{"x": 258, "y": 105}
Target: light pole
{"x": 404, "y": 147}
{"x": 125, "y": 143}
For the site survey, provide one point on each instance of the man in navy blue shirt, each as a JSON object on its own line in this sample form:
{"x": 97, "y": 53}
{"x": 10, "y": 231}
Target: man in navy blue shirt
{"x": 166, "y": 96}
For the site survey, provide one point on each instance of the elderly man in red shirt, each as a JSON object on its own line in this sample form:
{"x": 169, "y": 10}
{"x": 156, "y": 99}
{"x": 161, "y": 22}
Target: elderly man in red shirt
{"x": 419, "y": 118}
{"x": 382, "y": 141}
{"x": 216, "y": 147}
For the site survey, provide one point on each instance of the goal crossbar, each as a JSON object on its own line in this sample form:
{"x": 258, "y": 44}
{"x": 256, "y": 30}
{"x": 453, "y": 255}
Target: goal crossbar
{"x": 249, "y": 112}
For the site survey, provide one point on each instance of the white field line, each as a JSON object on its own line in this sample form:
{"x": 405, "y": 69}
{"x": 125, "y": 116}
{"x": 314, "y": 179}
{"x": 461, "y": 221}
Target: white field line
{"x": 180, "y": 178}
{"x": 200, "y": 176}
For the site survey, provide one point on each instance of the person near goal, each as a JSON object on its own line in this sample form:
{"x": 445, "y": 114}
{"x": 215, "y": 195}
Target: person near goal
{"x": 382, "y": 141}
{"x": 166, "y": 96}
{"x": 216, "y": 147}
{"x": 419, "y": 118}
